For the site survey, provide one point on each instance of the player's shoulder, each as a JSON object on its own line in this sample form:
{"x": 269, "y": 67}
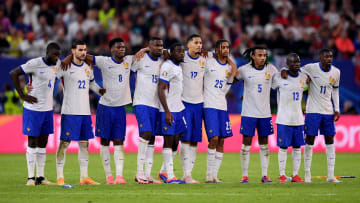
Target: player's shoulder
{"x": 38, "y": 61}
{"x": 245, "y": 66}
{"x": 335, "y": 69}
{"x": 271, "y": 67}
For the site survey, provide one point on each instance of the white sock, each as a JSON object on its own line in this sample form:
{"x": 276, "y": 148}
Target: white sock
{"x": 163, "y": 170}
{"x": 282, "y": 156}
{"x": 60, "y": 158}
{"x": 141, "y": 155}
{"x": 185, "y": 158}
{"x": 210, "y": 162}
{"x": 245, "y": 158}
{"x": 83, "y": 156}
{"x": 193, "y": 153}
{"x": 308, "y": 157}
{"x": 330, "y": 155}
{"x": 296, "y": 156}
{"x": 149, "y": 159}
{"x": 105, "y": 157}
{"x": 168, "y": 162}
{"x": 264, "y": 159}
{"x": 40, "y": 161}
{"x": 30, "y": 159}
{"x": 119, "y": 158}
{"x": 218, "y": 160}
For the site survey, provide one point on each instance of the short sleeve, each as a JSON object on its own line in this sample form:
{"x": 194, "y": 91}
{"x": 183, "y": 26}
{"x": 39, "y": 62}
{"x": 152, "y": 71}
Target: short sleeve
{"x": 240, "y": 76}
{"x": 275, "y": 81}
{"x": 29, "y": 66}
{"x": 136, "y": 66}
{"x": 99, "y": 61}
{"x": 306, "y": 69}
{"x": 165, "y": 73}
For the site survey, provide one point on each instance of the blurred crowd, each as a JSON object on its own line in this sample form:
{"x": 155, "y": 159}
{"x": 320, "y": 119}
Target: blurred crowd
{"x": 304, "y": 26}
{"x": 284, "y": 26}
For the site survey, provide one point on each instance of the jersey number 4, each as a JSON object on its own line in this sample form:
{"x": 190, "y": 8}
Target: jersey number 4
{"x": 81, "y": 84}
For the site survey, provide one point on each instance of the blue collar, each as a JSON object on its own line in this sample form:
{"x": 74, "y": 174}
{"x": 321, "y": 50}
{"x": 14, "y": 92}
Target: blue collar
{"x": 260, "y": 68}
{"x": 223, "y": 64}
{"x": 77, "y": 65}
{"x": 192, "y": 57}
{"x": 151, "y": 57}
{"x": 174, "y": 62}
{"x": 292, "y": 75}
{"x": 112, "y": 58}
{"x": 45, "y": 61}
{"x": 323, "y": 69}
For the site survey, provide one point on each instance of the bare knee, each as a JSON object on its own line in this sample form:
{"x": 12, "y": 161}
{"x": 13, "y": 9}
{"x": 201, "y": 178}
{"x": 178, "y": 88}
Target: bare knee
{"x": 310, "y": 140}
{"x": 152, "y": 140}
{"x": 168, "y": 141}
{"x": 118, "y": 142}
{"x": 32, "y": 141}
{"x": 220, "y": 145}
{"x": 263, "y": 140}
{"x": 104, "y": 142}
{"x": 146, "y": 135}
{"x": 42, "y": 141}
{"x": 329, "y": 139}
{"x": 213, "y": 142}
{"x": 247, "y": 140}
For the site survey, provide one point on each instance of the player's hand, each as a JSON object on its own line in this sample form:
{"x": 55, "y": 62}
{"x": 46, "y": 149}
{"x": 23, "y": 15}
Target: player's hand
{"x": 169, "y": 118}
{"x": 204, "y": 53}
{"x": 234, "y": 70}
{"x": 140, "y": 54}
{"x": 284, "y": 74}
{"x": 102, "y": 91}
{"x": 336, "y": 116}
{"x": 89, "y": 63}
{"x": 66, "y": 63}
{"x": 29, "y": 99}
{"x": 308, "y": 79}
{"x": 29, "y": 87}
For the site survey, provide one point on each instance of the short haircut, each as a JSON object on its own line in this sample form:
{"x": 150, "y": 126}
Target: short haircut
{"x": 77, "y": 42}
{"x": 323, "y": 51}
{"x": 114, "y": 41}
{"x": 52, "y": 46}
{"x": 155, "y": 38}
{"x": 191, "y": 37}
{"x": 173, "y": 46}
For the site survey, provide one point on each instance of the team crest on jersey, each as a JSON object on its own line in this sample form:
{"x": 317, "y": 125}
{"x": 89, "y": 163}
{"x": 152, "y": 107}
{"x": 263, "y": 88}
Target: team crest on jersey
{"x": 126, "y": 65}
{"x": 267, "y": 76}
{"x": 87, "y": 72}
{"x": 227, "y": 73}
{"x": 55, "y": 69}
{"x": 202, "y": 64}
{"x": 302, "y": 83}
{"x": 331, "y": 79}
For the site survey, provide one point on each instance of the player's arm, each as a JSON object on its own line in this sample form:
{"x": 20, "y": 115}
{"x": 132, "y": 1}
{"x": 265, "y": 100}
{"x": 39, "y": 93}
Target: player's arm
{"x": 163, "y": 86}
{"x": 66, "y": 62}
{"x": 234, "y": 70}
{"x": 96, "y": 88}
{"x": 140, "y": 54}
{"x": 14, "y": 75}
{"x": 335, "y": 98}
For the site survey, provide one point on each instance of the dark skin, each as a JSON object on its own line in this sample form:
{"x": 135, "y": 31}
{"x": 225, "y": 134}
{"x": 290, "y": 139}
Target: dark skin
{"x": 259, "y": 56}
{"x": 293, "y": 62}
{"x": 52, "y": 56}
{"x": 221, "y": 54}
{"x": 177, "y": 56}
{"x": 326, "y": 59}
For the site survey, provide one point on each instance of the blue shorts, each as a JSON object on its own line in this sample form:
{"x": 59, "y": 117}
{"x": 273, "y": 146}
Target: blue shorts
{"x": 178, "y": 126}
{"x": 217, "y": 123}
{"x": 264, "y": 126}
{"x": 193, "y": 117}
{"x": 36, "y": 123}
{"x": 110, "y": 122}
{"x": 316, "y": 121}
{"x": 147, "y": 118}
{"x": 290, "y": 135}
{"x": 76, "y": 127}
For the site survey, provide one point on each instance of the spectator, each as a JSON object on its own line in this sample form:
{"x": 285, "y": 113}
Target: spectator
{"x": 106, "y": 15}
{"x": 30, "y": 11}
{"x": 20, "y": 25}
{"x": 70, "y": 15}
{"x": 5, "y": 21}
{"x": 344, "y": 45}
{"x": 254, "y": 27}
{"x": 15, "y": 38}
{"x": 28, "y": 48}
{"x": 77, "y": 25}
{"x": 47, "y": 12}
{"x": 4, "y": 44}
{"x": 332, "y": 16}
{"x": 312, "y": 18}
{"x": 42, "y": 27}
{"x": 61, "y": 38}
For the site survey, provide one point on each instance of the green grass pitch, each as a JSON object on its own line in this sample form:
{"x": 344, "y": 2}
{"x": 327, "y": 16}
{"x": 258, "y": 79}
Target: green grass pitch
{"x": 13, "y": 177}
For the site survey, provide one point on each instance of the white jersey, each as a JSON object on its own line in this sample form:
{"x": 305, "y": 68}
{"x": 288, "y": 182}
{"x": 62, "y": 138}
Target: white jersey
{"x": 147, "y": 79}
{"x": 193, "y": 73}
{"x": 216, "y": 84}
{"x": 320, "y": 88}
{"x": 289, "y": 98}
{"x": 172, "y": 74}
{"x": 42, "y": 77}
{"x": 76, "y": 81}
{"x": 257, "y": 85}
{"x": 115, "y": 78}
